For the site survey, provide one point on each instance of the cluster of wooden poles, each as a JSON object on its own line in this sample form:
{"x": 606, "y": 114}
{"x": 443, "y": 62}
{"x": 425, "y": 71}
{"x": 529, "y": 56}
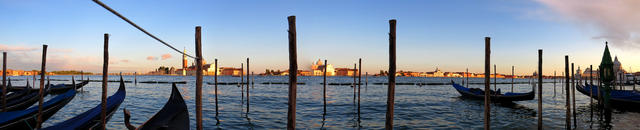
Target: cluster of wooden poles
{"x": 293, "y": 67}
{"x": 570, "y": 99}
{"x": 40, "y": 92}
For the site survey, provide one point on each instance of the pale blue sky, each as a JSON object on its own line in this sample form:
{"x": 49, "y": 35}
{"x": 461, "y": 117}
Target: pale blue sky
{"x": 448, "y": 34}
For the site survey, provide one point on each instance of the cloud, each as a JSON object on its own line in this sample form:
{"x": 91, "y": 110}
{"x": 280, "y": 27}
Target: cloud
{"x": 4, "y": 47}
{"x": 152, "y": 58}
{"x": 615, "y": 20}
{"x": 166, "y": 56}
{"x": 124, "y": 61}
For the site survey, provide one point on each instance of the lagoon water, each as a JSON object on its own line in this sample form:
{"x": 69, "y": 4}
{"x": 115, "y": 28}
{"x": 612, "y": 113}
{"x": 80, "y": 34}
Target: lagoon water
{"x": 429, "y": 106}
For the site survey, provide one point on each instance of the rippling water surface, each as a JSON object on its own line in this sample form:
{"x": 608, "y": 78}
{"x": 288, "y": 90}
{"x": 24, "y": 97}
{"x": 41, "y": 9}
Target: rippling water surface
{"x": 429, "y": 106}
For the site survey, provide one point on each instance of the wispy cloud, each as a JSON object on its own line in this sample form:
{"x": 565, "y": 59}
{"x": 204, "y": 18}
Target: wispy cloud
{"x": 165, "y": 56}
{"x": 615, "y": 20}
{"x": 152, "y": 58}
{"x": 4, "y": 47}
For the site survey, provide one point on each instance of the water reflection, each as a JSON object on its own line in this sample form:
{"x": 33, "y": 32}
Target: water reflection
{"x": 417, "y": 106}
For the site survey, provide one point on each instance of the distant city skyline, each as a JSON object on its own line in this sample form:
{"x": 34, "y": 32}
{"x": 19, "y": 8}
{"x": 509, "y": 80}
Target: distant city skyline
{"x": 431, "y": 34}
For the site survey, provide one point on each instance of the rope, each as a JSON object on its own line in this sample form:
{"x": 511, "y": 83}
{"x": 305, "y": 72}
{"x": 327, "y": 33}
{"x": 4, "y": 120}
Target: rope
{"x": 140, "y": 28}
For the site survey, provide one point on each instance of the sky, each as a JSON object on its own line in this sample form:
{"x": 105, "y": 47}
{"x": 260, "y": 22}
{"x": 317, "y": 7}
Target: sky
{"x": 447, "y": 34}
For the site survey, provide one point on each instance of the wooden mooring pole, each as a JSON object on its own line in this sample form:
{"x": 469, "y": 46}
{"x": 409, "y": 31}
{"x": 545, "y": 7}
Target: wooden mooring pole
{"x": 215, "y": 84}
{"x": 359, "y": 84}
{"x": 512, "y": 76}
{"x": 391, "y": 89}
{"x": 293, "y": 69}
{"x": 242, "y": 85}
{"x": 324, "y": 87}
{"x": 248, "y": 82}
{"x": 198, "y": 78}
{"x": 495, "y": 79}
{"x": 591, "y": 90}
{"x": 554, "y": 83}
{"x": 573, "y": 95}
{"x": 466, "y": 74}
{"x": 41, "y": 91}
{"x": 354, "y": 83}
{"x": 540, "y": 89}
{"x": 105, "y": 78}
{"x": 4, "y": 81}
{"x": 567, "y": 96}
{"x": 487, "y": 80}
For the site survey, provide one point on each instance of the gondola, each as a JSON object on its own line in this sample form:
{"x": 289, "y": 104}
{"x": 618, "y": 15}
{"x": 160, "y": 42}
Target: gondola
{"x": 26, "y": 119}
{"x": 173, "y": 116}
{"x": 60, "y": 88}
{"x": 476, "y": 93}
{"x": 16, "y": 94}
{"x": 91, "y": 118}
{"x": 622, "y": 98}
{"x": 27, "y": 100}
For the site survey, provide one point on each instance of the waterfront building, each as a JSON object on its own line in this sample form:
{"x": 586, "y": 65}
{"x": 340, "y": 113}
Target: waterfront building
{"x": 230, "y": 71}
{"x": 318, "y": 69}
{"x": 347, "y": 71}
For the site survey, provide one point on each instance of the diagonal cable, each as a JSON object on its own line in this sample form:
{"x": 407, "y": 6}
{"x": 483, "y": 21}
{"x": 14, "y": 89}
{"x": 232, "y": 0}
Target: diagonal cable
{"x": 140, "y": 28}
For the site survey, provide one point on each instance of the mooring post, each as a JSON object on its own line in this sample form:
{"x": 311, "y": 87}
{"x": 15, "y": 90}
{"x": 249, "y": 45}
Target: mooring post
{"x": 634, "y": 78}
{"x": 573, "y": 95}
{"x": 242, "y": 85}
{"x": 591, "y": 90}
{"x": 215, "y": 84}
{"x": 567, "y": 96}
{"x": 248, "y": 82}
{"x": 354, "y": 83}
{"x": 4, "y": 82}
{"x": 105, "y": 78}
{"x": 359, "y": 84}
{"x": 391, "y": 89}
{"x": 198, "y": 78}
{"x": 539, "y": 89}
{"x": 41, "y": 91}
{"x": 487, "y": 85}
{"x": 366, "y": 80}
{"x": 600, "y": 94}
{"x": 135, "y": 77}
{"x": 324, "y": 87}
{"x": 495, "y": 79}
{"x": 466, "y": 74}
{"x": 554, "y": 83}
{"x": 252, "y": 79}
{"x": 293, "y": 69}
{"x": 34, "y": 78}
{"x": 512, "y": 76}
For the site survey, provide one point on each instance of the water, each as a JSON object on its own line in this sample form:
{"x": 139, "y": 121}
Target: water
{"x": 433, "y": 106}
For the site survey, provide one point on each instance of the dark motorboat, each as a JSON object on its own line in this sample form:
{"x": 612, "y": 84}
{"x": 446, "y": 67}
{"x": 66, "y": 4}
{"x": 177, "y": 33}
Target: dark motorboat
{"x": 476, "y": 93}
{"x": 60, "y": 88}
{"x": 91, "y": 118}
{"x": 173, "y": 116}
{"x": 624, "y": 98}
{"x": 26, "y": 119}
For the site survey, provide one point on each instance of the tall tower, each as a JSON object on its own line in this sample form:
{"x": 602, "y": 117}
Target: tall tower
{"x": 184, "y": 62}
{"x": 184, "y": 59}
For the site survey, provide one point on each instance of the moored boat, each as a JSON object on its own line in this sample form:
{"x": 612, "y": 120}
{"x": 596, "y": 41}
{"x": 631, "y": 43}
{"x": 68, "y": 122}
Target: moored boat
{"x": 91, "y": 119}
{"x": 173, "y": 116}
{"x": 476, "y": 93}
{"x": 27, "y": 119}
{"x": 621, "y": 98}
